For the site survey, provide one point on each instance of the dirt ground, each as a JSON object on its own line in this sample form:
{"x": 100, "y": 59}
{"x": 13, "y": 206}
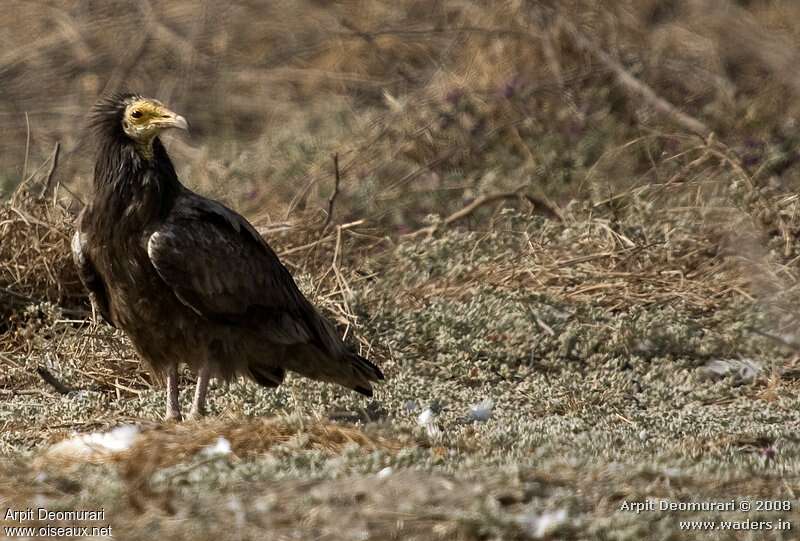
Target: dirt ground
{"x": 567, "y": 233}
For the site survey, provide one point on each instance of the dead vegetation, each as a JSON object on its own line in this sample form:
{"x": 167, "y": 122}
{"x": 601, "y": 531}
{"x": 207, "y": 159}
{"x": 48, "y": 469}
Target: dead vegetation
{"x": 35, "y": 260}
{"x": 578, "y": 217}
{"x": 165, "y": 446}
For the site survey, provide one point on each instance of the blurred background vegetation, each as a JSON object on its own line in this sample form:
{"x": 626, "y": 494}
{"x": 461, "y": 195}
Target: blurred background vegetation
{"x": 582, "y": 213}
{"x": 428, "y": 104}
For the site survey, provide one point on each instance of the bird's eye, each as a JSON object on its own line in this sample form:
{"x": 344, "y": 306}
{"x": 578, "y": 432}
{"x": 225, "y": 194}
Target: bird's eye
{"x": 136, "y": 114}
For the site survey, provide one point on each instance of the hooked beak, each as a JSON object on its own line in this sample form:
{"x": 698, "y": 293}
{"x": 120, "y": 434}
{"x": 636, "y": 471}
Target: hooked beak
{"x": 172, "y": 120}
{"x": 180, "y": 123}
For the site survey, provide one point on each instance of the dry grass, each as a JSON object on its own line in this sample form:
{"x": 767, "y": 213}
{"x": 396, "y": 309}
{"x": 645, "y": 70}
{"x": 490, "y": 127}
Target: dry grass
{"x": 412, "y": 97}
{"x": 35, "y": 258}
{"x": 164, "y": 446}
{"x": 524, "y": 212}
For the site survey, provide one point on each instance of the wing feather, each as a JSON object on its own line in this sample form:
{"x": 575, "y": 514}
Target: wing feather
{"x": 218, "y": 265}
{"x": 90, "y": 277}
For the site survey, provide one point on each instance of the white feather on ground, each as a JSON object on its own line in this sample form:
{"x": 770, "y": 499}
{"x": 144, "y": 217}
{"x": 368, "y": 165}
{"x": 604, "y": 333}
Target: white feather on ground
{"x": 482, "y": 411}
{"x": 743, "y": 370}
{"x": 96, "y": 445}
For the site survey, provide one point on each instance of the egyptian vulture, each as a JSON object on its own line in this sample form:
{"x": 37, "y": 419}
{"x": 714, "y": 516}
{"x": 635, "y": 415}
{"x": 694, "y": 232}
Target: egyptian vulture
{"x": 188, "y": 279}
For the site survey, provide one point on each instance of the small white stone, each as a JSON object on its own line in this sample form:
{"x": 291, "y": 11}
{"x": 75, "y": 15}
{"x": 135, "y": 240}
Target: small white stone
{"x": 426, "y": 417}
{"x": 385, "y": 472}
{"x": 220, "y": 447}
{"x": 539, "y": 526}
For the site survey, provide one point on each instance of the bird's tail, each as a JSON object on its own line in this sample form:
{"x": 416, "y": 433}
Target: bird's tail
{"x": 365, "y": 372}
{"x": 344, "y": 367}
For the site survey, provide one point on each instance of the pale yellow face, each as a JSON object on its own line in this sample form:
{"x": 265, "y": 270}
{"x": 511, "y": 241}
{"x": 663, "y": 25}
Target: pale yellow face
{"x": 145, "y": 118}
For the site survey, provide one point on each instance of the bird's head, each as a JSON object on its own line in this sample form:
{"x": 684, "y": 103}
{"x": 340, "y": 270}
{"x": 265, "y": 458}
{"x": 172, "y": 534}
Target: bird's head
{"x": 137, "y": 118}
{"x": 145, "y": 118}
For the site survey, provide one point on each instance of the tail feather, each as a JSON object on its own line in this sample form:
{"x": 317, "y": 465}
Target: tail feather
{"x": 343, "y": 367}
{"x": 367, "y": 367}
{"x": 267, "y": 376}
{"x": 366, "y": 372}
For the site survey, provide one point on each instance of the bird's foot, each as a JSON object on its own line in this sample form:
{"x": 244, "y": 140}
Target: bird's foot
{"x": 173, "y": 402}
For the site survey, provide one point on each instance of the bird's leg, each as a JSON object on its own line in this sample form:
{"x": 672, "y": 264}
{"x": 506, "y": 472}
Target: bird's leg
{"x": 199, "y": 403}
{"x": 173, "y": 405}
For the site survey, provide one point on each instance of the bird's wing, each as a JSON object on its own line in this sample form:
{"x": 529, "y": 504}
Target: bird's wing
{"x": 89, "y": 276}
{"x": 217, "y": 264}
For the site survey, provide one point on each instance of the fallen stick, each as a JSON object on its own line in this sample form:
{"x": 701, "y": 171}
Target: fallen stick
{"x": 634, "y": 85}
{"x": 53, "y": 381}
{"x": 487, "y": 199}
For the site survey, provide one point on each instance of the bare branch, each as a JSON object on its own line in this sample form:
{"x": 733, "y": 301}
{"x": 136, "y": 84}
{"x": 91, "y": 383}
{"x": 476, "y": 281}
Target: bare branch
{"x": 53, "y": 164}
{"x": 332, "y": 199}
{"x": 27, "y": 145}
{"x": 487, "y": 199}
{"x": 633, "y": 85}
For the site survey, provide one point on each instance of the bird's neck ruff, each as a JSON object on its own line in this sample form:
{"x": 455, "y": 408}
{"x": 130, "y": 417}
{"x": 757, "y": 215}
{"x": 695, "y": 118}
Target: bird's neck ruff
{"x": 131, "y": 189}
{"x": 145, "y": 148}
{"x": 135, "y": 182}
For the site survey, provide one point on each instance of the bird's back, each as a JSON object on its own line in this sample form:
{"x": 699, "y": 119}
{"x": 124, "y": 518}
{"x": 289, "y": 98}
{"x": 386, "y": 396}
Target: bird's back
{"x": 217, "y": 264}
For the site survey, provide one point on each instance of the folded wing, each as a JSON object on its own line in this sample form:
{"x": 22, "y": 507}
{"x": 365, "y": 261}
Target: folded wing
{"x": 219, "y": 266}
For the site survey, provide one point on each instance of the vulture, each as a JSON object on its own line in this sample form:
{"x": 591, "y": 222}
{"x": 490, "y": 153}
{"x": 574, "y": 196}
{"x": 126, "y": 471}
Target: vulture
{"x": 189, "y": 280}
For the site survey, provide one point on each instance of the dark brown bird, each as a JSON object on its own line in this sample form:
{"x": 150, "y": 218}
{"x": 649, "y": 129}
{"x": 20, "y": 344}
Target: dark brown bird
{"x": 188, "y": 279}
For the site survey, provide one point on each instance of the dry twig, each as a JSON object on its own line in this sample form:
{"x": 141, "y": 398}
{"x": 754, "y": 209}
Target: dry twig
{"x": 332, "y": 199}
{"x": 487, "y": 199}
{"x": 53, "y": 381}
{"x": 632, "y": 84}
{"x": 53, "y": 164}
